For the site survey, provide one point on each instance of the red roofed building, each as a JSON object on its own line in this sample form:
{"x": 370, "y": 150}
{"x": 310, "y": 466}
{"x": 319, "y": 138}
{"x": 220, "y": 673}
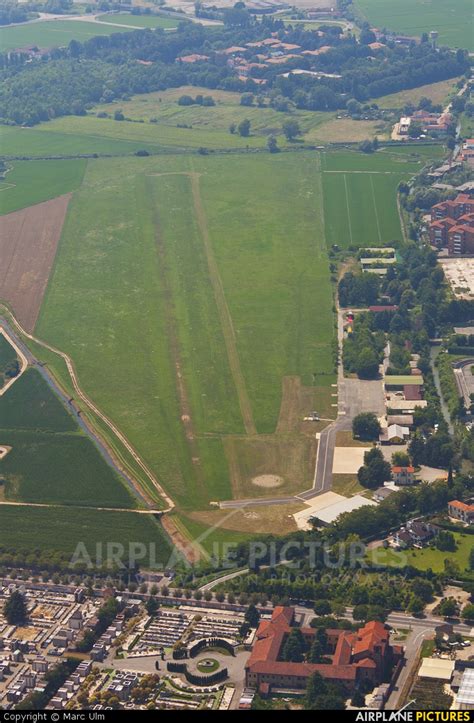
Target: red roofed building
{"x": 365, "y": 655}
{"x": 387, "y": 307}
{"x": 403, "y": 475}
{"x": 452, "y": 225}
{"x": 461, "y": 511}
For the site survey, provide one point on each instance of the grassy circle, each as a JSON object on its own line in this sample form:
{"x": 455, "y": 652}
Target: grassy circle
{"x": 208, "y": 665}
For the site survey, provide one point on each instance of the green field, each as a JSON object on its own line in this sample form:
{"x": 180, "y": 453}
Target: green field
{"x": 451, "y": 18}
{"x": 138, "y": 237}
{"x": 30, "y": 182}
{"x": 360, "y": 192}
{"x": 429, "y": 557}
{"x": 57, "y": 530}
{"x": 140, "y": 21}
{"x": 51, "y": 460}
{"x": 437, "y": 92}
{"x": 7, "y": 358}
{"x": 207, "y": 127}
{"x": 53, "y": 33}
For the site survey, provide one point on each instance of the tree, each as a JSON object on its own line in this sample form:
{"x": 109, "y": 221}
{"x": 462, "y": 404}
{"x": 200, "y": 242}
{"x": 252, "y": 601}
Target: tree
{"x": 152, "y": 606}
{"x": 252, "y": 616}
{"x": 375, "y": 471}
{"x": 448, "y": 607}
{"x": 367, "y": 365}
{"x": 400, "y": 459}
{"x": 445, "y": 541}
{"x": 15, "y": 609}
{"x": 291, "y": 129}
{"x": 247, "y": 99}
{"x": 294, "y": 647}
{"x": 244, "y": 128}
{"x": 322, "y": 607}
{"x": 272, "y": 144}
{"x": 366, "y": 426}
{"x": 468, "y": 612}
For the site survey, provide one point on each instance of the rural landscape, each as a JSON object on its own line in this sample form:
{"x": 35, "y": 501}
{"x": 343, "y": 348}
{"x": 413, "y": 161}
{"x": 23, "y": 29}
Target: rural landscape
{"x": 236, "y": 355}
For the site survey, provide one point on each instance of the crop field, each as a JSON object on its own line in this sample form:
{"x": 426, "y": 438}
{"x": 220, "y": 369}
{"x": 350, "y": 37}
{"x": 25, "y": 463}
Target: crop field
{"x": 56, "y": 529}
{"x": 453, "y": 19}
{"x": 28, "y": 243}
{"x": 173, "y": 241}
{"x": 140, "y": 21}
{"x": 51, "y": 460}
{"x": 360, "y": 193}
{"x": 7, "y": 357}
{"x": 28, "y": 183}
{"x": 53, "y": 33}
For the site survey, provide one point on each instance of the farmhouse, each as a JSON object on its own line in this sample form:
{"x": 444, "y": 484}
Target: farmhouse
{"x": 461, "y": 511}
{"x": 356, "y": 657}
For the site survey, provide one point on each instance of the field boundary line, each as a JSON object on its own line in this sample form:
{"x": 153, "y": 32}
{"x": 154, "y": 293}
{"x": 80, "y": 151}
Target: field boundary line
{"x": 88, "y": 402}
{"x": 223, "y": 309}
{"x": 20, "y": 355}
{"x": 375, "y": 209}
{"x": 348, "y": 209}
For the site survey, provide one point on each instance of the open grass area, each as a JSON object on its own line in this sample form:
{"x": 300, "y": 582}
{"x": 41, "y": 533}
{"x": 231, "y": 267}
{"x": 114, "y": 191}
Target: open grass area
{"x": 430, "y": 557}
{"x": 60, "y": 530}
{"x": 360, "y": 193}
{"x": 43, "y": 141}
{"x": 51, "y": 459}
{"x": 347, "y": 485}
{"x": 215, "y": 540}
{"x": 210, "y": 294}
{"x": 437, "y": 92}
{"x": 140, "y": 21}
{"x": 253, "y": 520}
{"x": 453, "y": 19}
{"x": 30, "y": 182}
{"x": 53, "y": 33}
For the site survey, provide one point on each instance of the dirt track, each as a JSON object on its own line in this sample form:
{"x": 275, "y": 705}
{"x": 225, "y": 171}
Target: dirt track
{"x": 28, "y": 243}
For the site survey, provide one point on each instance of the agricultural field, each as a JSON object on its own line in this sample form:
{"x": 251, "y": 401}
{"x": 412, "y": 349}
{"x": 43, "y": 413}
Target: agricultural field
{"x": 53, "y": 33}
{"x": 438, "y": 93}
{"x": 51, "y": 460}
{"x": 57, "y": 530}
{"x": 139, "y": 21}
{"x": 453, "y": 19}
{"x": 360, "y": 192}
{"x": 173, "y": 240}
{"x": 28, "y": 243}
{"x": 27, "y": 183}
{"x": 8, "y": 359}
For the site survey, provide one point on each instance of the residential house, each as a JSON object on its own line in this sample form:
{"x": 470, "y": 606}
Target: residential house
{"x": 403, "y": 475}
{"x": 461, "y": 511}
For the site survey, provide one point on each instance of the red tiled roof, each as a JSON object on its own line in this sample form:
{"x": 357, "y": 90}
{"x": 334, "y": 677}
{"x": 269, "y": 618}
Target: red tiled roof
{"x": 461, "y": 506}
{"x": 409, "y": 470}
{"x": 412, "y": 392}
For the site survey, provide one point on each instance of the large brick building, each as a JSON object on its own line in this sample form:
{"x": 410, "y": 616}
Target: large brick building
{"x": 356, "y": 657}
{"x": 452, "y": 225}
